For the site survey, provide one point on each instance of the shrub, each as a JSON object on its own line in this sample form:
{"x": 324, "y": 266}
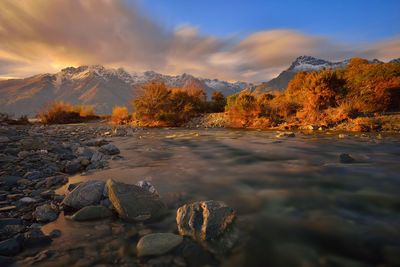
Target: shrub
{"x": 163, "y": 106}
{"x": 218, "y": 102}
{"x": 120, "y": 116}
{"x": 60, "y": 112}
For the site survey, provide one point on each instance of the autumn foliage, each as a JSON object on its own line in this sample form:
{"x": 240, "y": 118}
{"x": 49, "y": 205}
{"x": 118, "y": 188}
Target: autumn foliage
{"x": 120, "y": 116}
{"x": 326, "y": 97}
{"x": 58, "y": 112}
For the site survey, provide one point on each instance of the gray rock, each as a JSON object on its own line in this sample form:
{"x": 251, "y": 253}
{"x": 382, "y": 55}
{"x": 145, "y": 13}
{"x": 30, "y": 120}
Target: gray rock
{"x": 45, "y": 213}
{"x": 109, "y": 149}
{"x": 84, "y": 151}
{"x": 85, "y": 194}
{"x": 96, "y": 142}
{"x": 10, "y": 247}
{"x": 91, "y": 213}
{"x": 33, "y": 175}
{"x": 346, "y": 158}
{"x": 157, "y": 244}
{"x": 55, "y": 233}
{"x": 133, "y": 202}
{"x": 10, "y": 180}
{"x": 9, "y": 221}
{"x": 210, "y": 223}
{"x": 96, "y": 157}
{"x": 73, "y": 167}
{"x": 35, "y": 237}
{"x": 148, "y": 186}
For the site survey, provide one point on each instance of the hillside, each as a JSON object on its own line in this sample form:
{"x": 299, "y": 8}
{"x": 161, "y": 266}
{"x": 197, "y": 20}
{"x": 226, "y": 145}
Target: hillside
{"x": 94, "y": 85}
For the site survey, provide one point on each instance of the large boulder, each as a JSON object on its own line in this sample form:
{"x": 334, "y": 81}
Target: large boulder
{"x": 210, "y": 223}
{"x": 91, "y": 213}
{"x": 85, "y": 194}
{"x": 133, "y": 202}
{"x": 157, "y": 244}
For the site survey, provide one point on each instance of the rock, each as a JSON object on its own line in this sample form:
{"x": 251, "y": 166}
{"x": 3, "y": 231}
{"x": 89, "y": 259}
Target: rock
{"x": 97, "y": 157}
{"x": 35, "y": 238}
{"x": 157, "y": 244}
{"x": 309, "y": 127}
{"x": 10, "y": 247}
{"x": 210, "y": 223}
{"x": 27, "y": 200}
{"x": 10, "y": 180}
{"x": 109, "y": 149}
{"x": 73, "y": 167}
{"x": 133, "y": 202}
{"x": 84, "y": 151}
{"x": 96, "y": 142}
{"x": 288, "y": 134}
{"x": 7, "y": 208}
{"x": 91, "y": 213}
{"x": 346, "y": 158}
{"x": 33, "y": 175}
{"x": 55, "y": 180}
{"x": 85, "y": 194}
{"x": 9, "y": 221}
{"x": 45, "y": 213}
{"x": 148, "y": 186}
{"x": 55, "y": 233}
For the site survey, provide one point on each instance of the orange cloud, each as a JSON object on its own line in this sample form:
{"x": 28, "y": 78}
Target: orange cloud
{"x": 46, "y": 35}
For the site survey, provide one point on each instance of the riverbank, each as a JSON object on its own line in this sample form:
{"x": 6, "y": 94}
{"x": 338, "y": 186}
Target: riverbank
{"x": 387, "y": 123}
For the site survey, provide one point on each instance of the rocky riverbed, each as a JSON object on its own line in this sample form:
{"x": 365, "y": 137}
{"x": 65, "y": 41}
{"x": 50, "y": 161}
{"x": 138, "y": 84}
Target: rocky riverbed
{"x": 95, "y": 194}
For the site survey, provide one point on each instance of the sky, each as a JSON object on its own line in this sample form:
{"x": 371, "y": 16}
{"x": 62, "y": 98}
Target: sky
{"x": 231, "y": 40}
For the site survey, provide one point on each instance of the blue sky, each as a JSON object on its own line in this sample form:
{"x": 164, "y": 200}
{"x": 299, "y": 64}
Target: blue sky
{"x": 350, "y": 21}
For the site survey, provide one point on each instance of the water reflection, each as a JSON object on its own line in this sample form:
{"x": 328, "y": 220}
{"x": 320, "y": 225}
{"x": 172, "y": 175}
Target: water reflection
{"x": 297, "y": 205}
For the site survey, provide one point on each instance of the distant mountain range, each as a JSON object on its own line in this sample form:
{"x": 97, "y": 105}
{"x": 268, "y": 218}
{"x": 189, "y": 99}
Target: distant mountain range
{"x": 303, "y": 63}
{"x": 95, "y": 85}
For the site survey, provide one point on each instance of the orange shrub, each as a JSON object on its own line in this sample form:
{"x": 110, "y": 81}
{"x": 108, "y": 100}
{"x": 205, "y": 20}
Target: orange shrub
{"x": 120, "y": 116}
{"x": 60, "y": 112}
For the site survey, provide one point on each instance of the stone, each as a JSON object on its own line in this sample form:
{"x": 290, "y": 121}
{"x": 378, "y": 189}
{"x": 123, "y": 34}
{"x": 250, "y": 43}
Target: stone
{"x": 85, "y": 194}
{"x": 55, "y": 233}
{"x": 73, "y": 167}
{"x": 109, "y": 149}
{"x": 84, "y": 151}
{"x": 27, "y": 200}
{"x": 7, "y": 208}
{"x": 96, "y": 157}
{"x": 45, "y": 213}
{"x": 9, "y": 221}
{"x": 309, "y": 127}
{"x": 288, "y": 134}
{"x": 10, "y": 180}
{"x": 346, "y": 158}
{"x": 157, "y": 244}
{"x": 148, "y": 186}
{"x": 35, "y": 238}
{"x": 210, "y": 223}
{"x": 133, "y": 202}
{"x": 96, "y": 142}
{"x": 91, "y": 213}
{"x": 33, "y": 175}
{"x": 10, "y": 247}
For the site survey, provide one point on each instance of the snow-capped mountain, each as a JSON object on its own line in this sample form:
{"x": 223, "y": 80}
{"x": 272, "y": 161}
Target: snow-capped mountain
{"x": 95, "y": 85}
{"x": 302, "y": 63}
{"x": 395, "y": 60}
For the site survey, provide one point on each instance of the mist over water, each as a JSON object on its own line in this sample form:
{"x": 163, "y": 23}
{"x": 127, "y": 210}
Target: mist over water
{"x": 297, "y": 204}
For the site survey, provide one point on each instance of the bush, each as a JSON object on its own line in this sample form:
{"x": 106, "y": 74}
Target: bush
{"x": 120, "y": 116}
{"x": 163, "y": 106}
{"x": 61, "y": 113}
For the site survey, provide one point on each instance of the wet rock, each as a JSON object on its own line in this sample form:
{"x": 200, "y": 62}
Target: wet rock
{"x": 91, "y": 213}
{"x": 346, "y": 158}
{"x": 287, "y": 134}
{"x": 55, "y": 233}
{"x": 73, "y": 167}
{"x": 6, "y": 261}
{"x": 195, "y": 255}
{"x": 148, "y": 186}
{"x": 84, "y": 151}
{"x": 96, "y": 142}
{"x": 9, "y": 221}
{"x": 133, "y": 202}
{"x": 109, "y": 149}
{"x": 33, "y": 175}
{"x": 10, "y": 180}
{"x": 157, "y": 244}
{"x": 85, "y": 194}
{"x": 210, "y": 223}
{"x": 10, "y": 246}
{"x": 45, "y": 213}
{"x": 97, "y": 157}
{"x": 36, "y": 238}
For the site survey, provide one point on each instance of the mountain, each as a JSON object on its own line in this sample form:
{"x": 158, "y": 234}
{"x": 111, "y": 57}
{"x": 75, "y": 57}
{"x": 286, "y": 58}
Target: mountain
{"x": 94, "y": 85}
{"x": 395, "y": 60}
{"x": 302, "y": 63}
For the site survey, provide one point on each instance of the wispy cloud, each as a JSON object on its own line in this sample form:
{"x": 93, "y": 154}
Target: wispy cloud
{"x": 46, "y": 35}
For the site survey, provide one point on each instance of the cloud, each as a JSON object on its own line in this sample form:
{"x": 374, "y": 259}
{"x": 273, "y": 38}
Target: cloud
{"x": 46, "y": 35}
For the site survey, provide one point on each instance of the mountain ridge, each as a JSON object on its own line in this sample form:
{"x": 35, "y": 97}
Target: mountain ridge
{"x": 95, "y": 85}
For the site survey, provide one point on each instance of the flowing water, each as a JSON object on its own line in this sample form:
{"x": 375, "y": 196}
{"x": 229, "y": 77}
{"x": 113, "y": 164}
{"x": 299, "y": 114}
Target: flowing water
{"x": 297, "y": 204}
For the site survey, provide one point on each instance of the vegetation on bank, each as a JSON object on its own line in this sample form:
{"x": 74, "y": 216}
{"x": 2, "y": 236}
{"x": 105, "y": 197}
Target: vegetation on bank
{"x": 325, "y": 98}
{"x": 8, "y": 119}
{"x": 58, "y": 112}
